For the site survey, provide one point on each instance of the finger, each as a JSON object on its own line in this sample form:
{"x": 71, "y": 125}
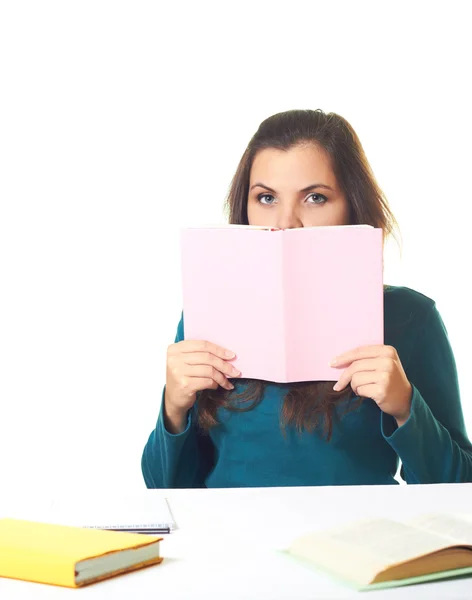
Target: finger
{"x": 363, "y": 379}
{"x": 204, "y": 383}
{"x": 358, "y": 366}
{"x": 207, "y": 358}
{"x": 362, "y": 353}
{"x": 207, "y": 372}
{"x": 371, "y": 390}
{"x": 201, "y": 346}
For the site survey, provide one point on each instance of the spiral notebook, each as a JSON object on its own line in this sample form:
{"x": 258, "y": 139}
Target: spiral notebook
{"x": 151, "y": 515}
{"x": 147, "y": 512}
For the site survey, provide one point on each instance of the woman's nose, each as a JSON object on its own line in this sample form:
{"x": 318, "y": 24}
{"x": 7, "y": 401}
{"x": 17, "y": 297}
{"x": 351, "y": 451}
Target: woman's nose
{"x": 289, "y": 220}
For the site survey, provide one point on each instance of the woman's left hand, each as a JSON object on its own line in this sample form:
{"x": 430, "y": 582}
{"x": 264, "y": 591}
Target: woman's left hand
{"x": 376, "y": 372}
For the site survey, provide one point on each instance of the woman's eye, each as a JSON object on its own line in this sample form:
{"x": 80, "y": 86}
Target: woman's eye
{"x": 317, "y": 198}
{"x": 266, "y": 198}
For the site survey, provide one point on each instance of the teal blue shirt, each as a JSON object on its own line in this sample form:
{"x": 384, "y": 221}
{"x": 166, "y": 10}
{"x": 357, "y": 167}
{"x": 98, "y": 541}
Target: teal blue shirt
{"x": 249, "y": 448}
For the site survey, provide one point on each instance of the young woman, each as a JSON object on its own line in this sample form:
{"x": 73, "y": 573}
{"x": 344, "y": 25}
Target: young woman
{"x": 394, "y": 401}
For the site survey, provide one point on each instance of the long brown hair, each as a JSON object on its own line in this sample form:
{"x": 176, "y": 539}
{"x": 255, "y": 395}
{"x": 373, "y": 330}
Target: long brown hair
{"x": 308, "y": 404}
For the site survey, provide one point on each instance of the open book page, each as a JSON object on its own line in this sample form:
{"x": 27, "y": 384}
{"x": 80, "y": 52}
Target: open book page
{"x": 320, "y": 323}
{"x": 249, "y": 321}
{"x": 360, "y": 550}
{"x": 456, "y": 529}
{"x": 389, "y": 541}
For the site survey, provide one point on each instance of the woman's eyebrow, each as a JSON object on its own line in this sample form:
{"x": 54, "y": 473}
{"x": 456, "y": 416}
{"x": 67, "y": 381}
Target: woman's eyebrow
{"x": 266, "y": 187}
{"x": 314, "y": 186}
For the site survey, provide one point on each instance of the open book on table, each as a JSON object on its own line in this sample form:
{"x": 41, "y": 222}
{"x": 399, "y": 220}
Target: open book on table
{"x": 376, "y": 553}
{"x": 286, "y": 302}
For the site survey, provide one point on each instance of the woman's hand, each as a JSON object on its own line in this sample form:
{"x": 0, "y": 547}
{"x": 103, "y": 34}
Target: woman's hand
{"x": 193, "y": 366}
{"x": 376, "y": 372}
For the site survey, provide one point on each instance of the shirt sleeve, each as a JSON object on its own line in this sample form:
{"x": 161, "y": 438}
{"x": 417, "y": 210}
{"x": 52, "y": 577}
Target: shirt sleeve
{"x": 177, "y": 460}
{"x": 432, "y": 444}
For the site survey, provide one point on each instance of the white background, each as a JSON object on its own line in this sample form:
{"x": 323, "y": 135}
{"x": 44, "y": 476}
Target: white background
{"x": 122, "y": 121}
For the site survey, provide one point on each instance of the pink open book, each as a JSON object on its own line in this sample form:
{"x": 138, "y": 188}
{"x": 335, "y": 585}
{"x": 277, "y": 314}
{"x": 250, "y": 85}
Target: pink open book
{"x": 285, "y": 301}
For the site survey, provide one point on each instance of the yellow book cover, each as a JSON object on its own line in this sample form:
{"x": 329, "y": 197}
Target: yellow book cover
{"x": 71, "y": 556}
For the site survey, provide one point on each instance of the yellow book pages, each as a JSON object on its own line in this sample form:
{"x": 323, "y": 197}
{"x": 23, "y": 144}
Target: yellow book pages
{"x": 52, "y": 553}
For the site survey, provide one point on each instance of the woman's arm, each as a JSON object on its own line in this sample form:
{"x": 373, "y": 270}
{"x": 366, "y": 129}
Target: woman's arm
{"x": 432, "y": 444}
{"x": 181, "y": 460}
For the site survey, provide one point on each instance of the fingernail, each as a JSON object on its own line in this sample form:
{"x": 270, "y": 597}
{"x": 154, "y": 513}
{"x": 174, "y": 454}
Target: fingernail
{"x": 229, "y": 354}
{"x": 336, "y": 387}
{"x": 235, "y": 372}
{"x": 333, "y": 362}
{"x": 231, "y": 386}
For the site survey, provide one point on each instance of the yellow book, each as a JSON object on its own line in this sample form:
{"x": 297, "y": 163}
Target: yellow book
{"x": 71, "y": 556}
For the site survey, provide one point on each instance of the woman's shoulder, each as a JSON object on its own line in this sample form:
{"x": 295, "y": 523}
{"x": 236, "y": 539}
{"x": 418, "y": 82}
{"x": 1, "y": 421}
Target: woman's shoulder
{"x": 404, "y": 305}
{"x": 407, "y": 296}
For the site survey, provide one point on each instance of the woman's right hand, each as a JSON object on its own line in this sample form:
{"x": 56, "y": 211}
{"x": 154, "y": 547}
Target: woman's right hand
{"x": 193, "y": 366}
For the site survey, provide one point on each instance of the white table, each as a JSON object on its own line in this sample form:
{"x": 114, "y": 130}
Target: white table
{"x": 226, "y": 542}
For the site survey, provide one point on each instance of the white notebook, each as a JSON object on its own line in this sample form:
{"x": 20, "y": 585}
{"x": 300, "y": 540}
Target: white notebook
{"x": 142, "y": 514}
{"x": 147, "y": 512}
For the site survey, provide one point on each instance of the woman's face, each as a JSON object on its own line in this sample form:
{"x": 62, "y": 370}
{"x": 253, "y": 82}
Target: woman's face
{"x": 295, "y": 188}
